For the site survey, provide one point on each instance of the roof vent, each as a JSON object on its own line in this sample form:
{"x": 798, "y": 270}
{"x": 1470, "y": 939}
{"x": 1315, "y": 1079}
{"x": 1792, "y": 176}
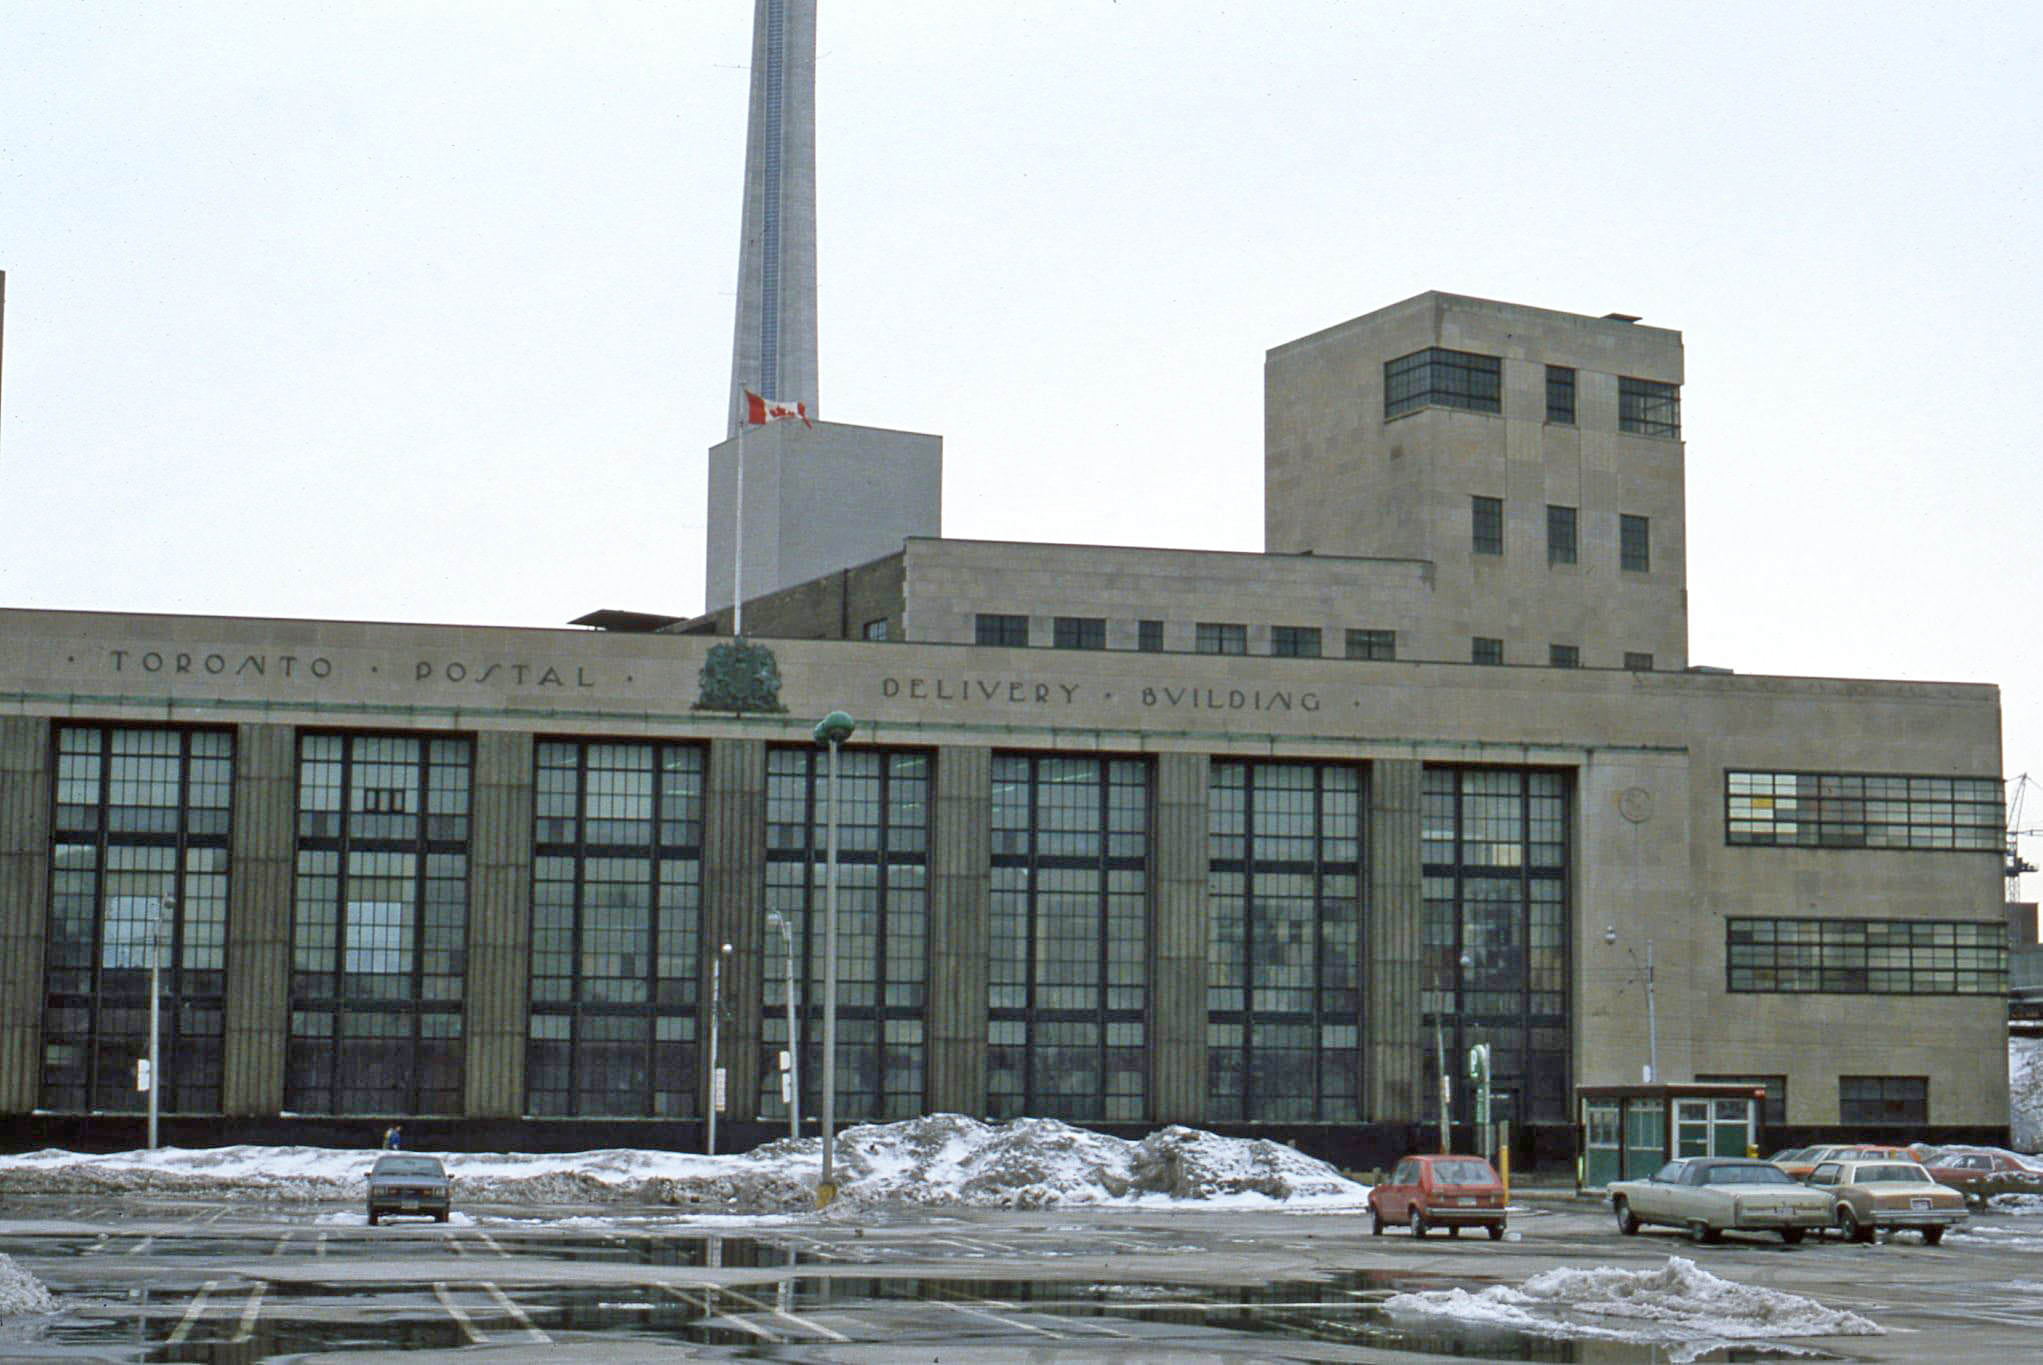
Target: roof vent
{"x": 1620, "y": 317}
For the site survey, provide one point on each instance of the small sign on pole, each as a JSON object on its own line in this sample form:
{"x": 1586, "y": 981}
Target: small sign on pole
{"x": 718, "y": 1088}
{"x": 142, "y": 1077}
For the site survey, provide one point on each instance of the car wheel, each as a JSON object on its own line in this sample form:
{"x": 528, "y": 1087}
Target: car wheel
{"x": 1792, "y": 1236}
{"x": 1701, "y": 1231}
{"x": 1496, "y": 1232}
{"x": 440, "y": 1217}
{"x": 1375, "y": 1223}
{"x": 1931, "y": 1236}
{"x": 1454, "y": 1230}
{"x": 1627, "y": 1222}
{"x": 373, "y": 1215}
{"x": 1418, "y": 1221}
{"x": 1849, "y": 1227}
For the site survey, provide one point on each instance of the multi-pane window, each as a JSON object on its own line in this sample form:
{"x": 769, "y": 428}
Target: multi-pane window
{"x": 1867, "y": 956}
{"x": 1564, "y": 656}
{"x": 882, "y": 927}
{"x": 1294, "y": 642}
{"x": 1648, "y": 408}
{"x": 615, "y": 1028}
{"x": 1773, "y": 1110}
{"x": 1485, "y": 649}
{"x": 1887, "y": 1101}
{"x": 1443, "y": 379}
{"x": 1372, "y": 644}
{"x": 995, "y": 628}
{"x": 1560, "y": 534}
{"x": 1560, "y": 394}
{"x": 139, "y": 865}
{"x": 1634, "y": 543}
{"x": 1068, "y": 971}
{"x": 1149, "y": 636}
{"x": 1221, "y": 637}
{"x": 875, "y": 629}
{"x": 1283, "y": 1002}
{"x": 379, "y": 927}
{"x": 1863, "y": 810}
{"x": 1486, "y": 525}
{"x": 1638, "y": 662}
{"x": 1495, "y": 853}
{"x": 1079, "y": 632}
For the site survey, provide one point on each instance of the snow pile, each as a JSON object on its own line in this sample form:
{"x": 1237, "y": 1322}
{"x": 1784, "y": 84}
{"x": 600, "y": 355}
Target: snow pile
{"x": 2025, "y": 1093}
{"x": 1680, "y": 1306}
{"x": 940, "y": 1159}
{"x": 20, "y": 1292}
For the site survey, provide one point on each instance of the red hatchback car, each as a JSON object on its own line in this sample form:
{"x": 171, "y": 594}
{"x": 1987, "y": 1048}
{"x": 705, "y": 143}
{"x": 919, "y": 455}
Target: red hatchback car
{"x": 1452, "y": 1192}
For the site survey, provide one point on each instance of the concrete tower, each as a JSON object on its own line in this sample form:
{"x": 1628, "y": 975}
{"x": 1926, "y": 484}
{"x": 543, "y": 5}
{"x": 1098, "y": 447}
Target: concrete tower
{"x": 774, "y": 353}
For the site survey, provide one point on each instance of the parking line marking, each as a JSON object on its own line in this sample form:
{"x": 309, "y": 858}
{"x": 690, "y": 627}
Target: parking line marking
{"x": 782, "y": 1313}
{"x": 99, "y": 1244}
{"x": 249, "y": 1312}
{"x": 518, "y": 1314}
{"x": 216, "y": 1217}
{"x": 453, "y": 1243}
{"x": 282, "y": 1242}
{"x": 491, "y": 1243}
{"x": 138, "y": 1248}
{"x": 319, "y": 1246}
{"x": 461, "y": 1319}
{"x": 191, "y": 1313}
{"x": 709, "y": 1309}
{"x": 1051, "y": 1306}
{"x": 1004, "y": 1322}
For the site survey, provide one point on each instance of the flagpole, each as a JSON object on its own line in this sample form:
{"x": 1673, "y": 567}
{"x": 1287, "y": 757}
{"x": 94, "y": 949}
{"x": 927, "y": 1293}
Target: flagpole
{"x": 738, "y": 553}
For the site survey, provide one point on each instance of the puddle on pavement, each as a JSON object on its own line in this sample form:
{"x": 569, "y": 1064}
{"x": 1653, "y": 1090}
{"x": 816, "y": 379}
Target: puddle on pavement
{"x": 804, "y": 1309}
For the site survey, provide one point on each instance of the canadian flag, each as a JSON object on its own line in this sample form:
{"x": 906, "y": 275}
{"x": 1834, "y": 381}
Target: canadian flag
{"x": 759, "y": 411}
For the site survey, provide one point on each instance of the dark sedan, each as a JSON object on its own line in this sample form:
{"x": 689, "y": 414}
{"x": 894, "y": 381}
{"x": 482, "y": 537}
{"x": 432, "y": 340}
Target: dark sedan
{"x": 415, "y": 1185}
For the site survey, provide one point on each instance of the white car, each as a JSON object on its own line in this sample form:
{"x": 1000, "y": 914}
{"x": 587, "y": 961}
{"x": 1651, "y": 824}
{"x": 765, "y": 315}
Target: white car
{"x": 1708, "y": 1196}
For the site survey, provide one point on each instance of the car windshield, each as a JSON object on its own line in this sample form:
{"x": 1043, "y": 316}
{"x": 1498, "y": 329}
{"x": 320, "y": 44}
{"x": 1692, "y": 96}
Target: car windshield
{"x": 1463, "y": 1173}
{"x": 1756, "y": 1174}
{"x": 1912, "y": 1174}
{"x": 408, "y": 1165}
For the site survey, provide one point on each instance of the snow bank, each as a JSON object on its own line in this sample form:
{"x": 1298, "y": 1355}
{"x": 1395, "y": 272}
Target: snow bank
{"x": 20, "y": 1292}
{"x": 2025, "y": 1093}
{"x": 1680, "y": 1306}
{"x": 941, "y": 1159}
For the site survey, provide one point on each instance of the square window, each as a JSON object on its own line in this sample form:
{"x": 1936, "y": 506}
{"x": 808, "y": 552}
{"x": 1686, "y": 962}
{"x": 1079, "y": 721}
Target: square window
{"x": 996, "y": 629}
{"x": 1079, "y": 632}
{"x": 1221, "y": 637}
{"x": 1634, "y": 544}
{"x": 1485, "y": 650}
{"x": 1886, "y": 1100}
{"x": 1560, "y": 395}
{"x": 1564, "y": 656}
{"x": 1637, "y": 662}
{"x": 1646, "y": 407}
{"x": 876, "y": 630}
{"x": 1372, "y": 644}
{"x": 1560, "y": 534}
{"x": 1486, "y": 525}
{"x": 1149, "y": 636}
{"x": 1294, "y": 642}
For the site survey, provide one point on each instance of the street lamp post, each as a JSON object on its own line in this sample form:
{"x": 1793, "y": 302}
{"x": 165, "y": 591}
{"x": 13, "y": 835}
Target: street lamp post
{"x": 716, "y": 1013}
{"x": 1652, "y": 1015}
{"x": 794, "y": 1051}
{"x": 832, "y": 730}
{"x": 166, "y": 905}
{"x": 1440, "y": 1052}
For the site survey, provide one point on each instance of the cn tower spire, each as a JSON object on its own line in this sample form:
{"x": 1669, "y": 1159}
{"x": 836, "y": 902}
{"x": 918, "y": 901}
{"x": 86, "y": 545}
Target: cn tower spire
{"x": 774, "y": 353}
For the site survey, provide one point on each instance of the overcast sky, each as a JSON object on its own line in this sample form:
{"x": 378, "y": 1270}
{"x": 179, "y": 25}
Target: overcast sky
{"x": 420, "y": 311}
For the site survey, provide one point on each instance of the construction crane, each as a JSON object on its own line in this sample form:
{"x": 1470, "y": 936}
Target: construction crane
{"x": 2018, "y": 789}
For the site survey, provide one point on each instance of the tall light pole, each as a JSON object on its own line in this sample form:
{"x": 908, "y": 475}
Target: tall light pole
{"x": 794, "y": 1051}
{"x": 832, "y": 730}
{"x": 1652, "y": 1015}
{"x": 1440, "y": 1052}
{"x": 165, "y": 905}
{"x": 716, "y": 1014}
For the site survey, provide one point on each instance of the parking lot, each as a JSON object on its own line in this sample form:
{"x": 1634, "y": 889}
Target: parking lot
{"x": 241, "y": 1282}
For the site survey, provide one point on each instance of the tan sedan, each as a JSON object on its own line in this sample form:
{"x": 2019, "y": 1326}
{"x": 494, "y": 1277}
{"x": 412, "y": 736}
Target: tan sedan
{"x": 1871, "y": 1195}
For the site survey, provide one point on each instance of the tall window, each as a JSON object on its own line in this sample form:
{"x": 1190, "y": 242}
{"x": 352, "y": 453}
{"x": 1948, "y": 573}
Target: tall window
{"x": 1283, "y": 997}
{"x": 1485, "y": 649}
{"x": 1221, "y": 637}
{"x": 615, "y": 1024}
{"x": 379, "y": 931}
{"x": 1442, "y": 379}
{"x": 1863, "y": 810}
{"x": 1149, "y": 636}
{"x": 1495, "y": 850}
{"x": 1079, "y": 632}
{"x": 1560, "y": 534}
{"x": 1634, "y": 544}
{"x": 1486, "y": 525}
{"x": 1647, "y": 407}
{"x": 1069, "y": 987}
{"x": 1372, "y": 644}
{"x": 140, "y": 860}
{"x": 1294, "y": 642}
{"x": 1560, "y": 395}
{"x": 993, "y": 628}
{"x": 1883, "y": 1100}
{"x": 882, "y": 926}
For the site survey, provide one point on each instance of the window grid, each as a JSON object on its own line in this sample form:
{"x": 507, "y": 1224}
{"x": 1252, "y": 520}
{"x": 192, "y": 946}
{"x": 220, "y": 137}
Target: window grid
{"x": 882, "y": 928}
{"x": 1149, "y": 636}
{"x": 1372, "y": 644}
{"x": 1638, "y": 662}
{"x": 1294, "y": 642}
{"x": 1496, "y": 863}
{"x": 994, "y": 628}
{"x": 1284, "y": 874}
{"x": 1773, "y": 1110}
{"x": 1564, "y": 656}
{"x": 1560, "y": 395}
{"x": 1863, "y": 810}
{"x": 1486, "y": 525}
{"x": 1485, "y": 649}
{"x": 1221, "y": 637}
{"x": 1866, "y": 957}
{"x": 1883, "y": 1100}
{"x": 379, "y": 925}
{"x": 1646, "y": 407}
{"x": 616, "y": 954}
{"x": 1068, "y": 964}
{"x": 1436, "y": 377}
{"x": 1079, "y": 632}
{"x": 1634, "y": 544}
{"x": 140, "y": 815}
{"x": 1560, "y": 534}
